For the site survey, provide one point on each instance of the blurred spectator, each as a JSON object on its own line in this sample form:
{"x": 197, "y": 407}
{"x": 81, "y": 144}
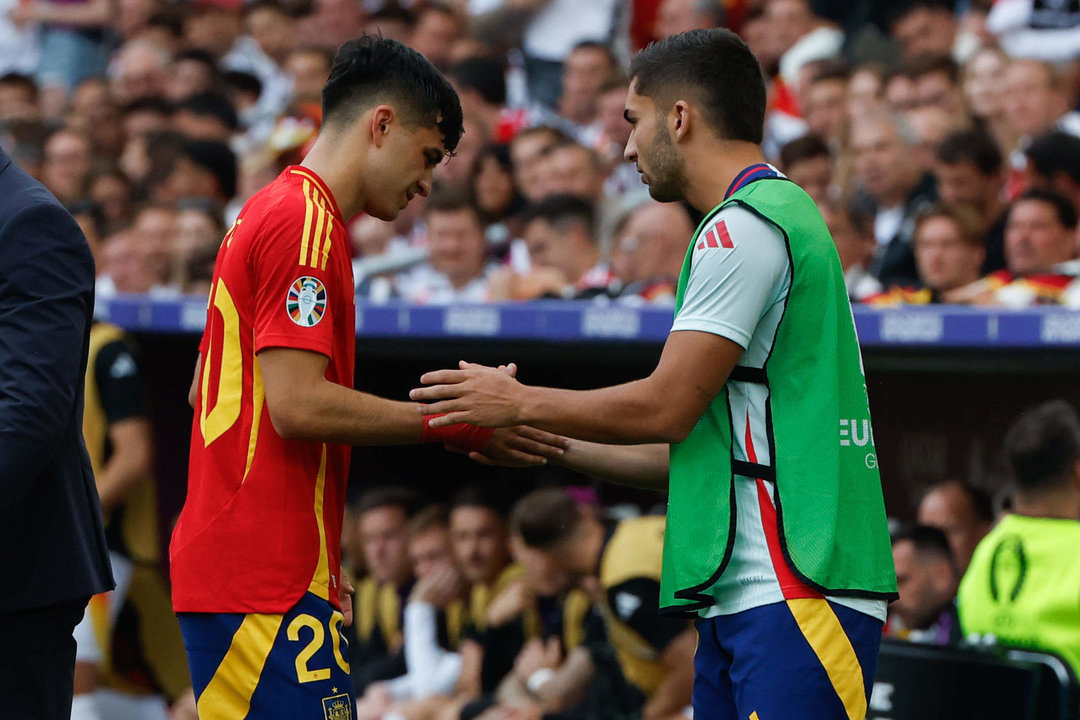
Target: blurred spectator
{"x": 199, "y": 226}
{"x": 93, "y": 112}
{"x": 1054, "y": 164}
{"x": 568, "y": 544}
{"x": 926, "y": 579}
{"x": 924, "y": 26}
{"x": 66, "y": 170}
{"x": 808, "y": 163}
{"x": 852, "y": 232}
{"x": 457, "y": 266}
{"x": 206, "y": 116}
{"x": 985, "y": 94}
{"x": 308, "y": 67}
{"x": 124, "y": 267}
{"x": 654, "y": 241}
{"x": 864, "y": 90}
{"x": 526, "y": 150}
{"x": 586, "y": 69}
{"x": 948, "y": 256}
{"x": 1024, "y": 578}
{"x": 799, "y": 36}
{"x": 930, "y": 125}
{"x": 20, "y": 49}
{"x": 1040, "y": 242}
{"x": 888, "y": 174}
{"x": 110, "y": 191}
{"x": 138, "y": 70}
{"x": 559, "y": 233}
{"x": 936, "y": 78}
{"x": 146, "y": 115}
{"x": 493, "y": 187}
{"x": 199, "y": 169}
{"x": 676, "y": 16}
{"x": 898, "y": 91}
{"x": 481, "y": 86}
{"x": 191, "y": 72}
{"x": 1034, "y": 29}
{"x": 825, "y": 103}
{"x": 961, "y": 511}
{"x": 1036, "y": 101}
{"x": 968, "y": 170}
{"x": 382, "y": 515}
{"x": 572, "y": 169}
{"x": 436, "y": 28}
{"x": 18, "y": 98}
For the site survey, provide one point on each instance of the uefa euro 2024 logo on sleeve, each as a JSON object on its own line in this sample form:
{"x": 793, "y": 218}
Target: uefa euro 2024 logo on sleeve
{"x": 306, "y": 302}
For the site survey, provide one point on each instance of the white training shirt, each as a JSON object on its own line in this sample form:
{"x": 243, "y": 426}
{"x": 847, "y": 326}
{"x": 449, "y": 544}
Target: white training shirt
{"x": 740, "y": 276}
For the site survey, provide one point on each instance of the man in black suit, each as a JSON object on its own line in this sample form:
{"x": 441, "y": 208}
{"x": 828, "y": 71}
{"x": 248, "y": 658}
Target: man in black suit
{"x": 53, "y": 555}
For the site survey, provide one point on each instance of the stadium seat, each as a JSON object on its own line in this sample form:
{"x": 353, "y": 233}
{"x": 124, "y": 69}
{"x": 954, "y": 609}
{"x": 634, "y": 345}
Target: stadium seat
{"x": 931, "y": 683}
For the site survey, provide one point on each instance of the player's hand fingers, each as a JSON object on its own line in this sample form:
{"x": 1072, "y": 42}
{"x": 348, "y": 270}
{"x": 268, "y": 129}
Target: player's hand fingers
{"x": 442, "y": 377}
{"x": 481, "y": 458}
{"x": 542, "y": 436}
{"x": 455, "y": 449}
{"x": 436, "y": 392}
{"x": 536, "y": 448}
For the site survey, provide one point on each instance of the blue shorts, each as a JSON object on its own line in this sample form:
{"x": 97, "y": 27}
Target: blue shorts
{"x": 801, "y": 659}
{"x": 260, "y": 666}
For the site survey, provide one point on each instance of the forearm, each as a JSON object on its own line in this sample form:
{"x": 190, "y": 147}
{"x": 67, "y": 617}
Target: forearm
{"x": 118, "y": 477}
{"x": 630, "y": 414}
{"x": 639, "y": 466}
{"x": 675, "y": 690}
{"x": 333, "y": 413}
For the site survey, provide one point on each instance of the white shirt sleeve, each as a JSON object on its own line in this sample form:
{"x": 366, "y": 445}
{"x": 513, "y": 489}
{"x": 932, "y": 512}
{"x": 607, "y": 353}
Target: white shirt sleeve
{"x": 431, "y": 669}
{"x": 731, "y": 288}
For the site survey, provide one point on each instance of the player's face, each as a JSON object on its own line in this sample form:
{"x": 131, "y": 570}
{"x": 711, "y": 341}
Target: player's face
{"x": 478, "y": 537}
{"x": 410, "y": 156}
{"x": 652, "y": 149}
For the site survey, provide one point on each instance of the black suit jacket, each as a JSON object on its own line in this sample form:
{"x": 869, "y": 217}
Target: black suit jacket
{"x": 52, "y": 544}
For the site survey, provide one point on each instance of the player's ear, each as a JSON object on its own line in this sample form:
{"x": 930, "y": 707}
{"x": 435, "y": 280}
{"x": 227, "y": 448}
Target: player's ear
{"x": 679, "y": 119}
{"x": 382, "y": 117}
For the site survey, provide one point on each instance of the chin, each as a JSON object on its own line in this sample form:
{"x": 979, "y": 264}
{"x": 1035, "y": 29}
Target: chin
{"x": 386, "y": 214}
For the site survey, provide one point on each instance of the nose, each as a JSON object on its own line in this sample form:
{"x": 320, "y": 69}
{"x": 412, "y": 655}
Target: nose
{"x": 424, "y": 188}
{"x": 630, "y": 151}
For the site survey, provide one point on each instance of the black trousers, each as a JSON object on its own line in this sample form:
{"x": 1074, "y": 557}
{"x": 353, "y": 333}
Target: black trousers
{"x": 37, "y": 661}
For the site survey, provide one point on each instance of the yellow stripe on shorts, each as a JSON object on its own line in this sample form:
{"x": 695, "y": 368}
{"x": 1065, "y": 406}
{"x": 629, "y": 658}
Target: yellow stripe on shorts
{"x": 228, "y": 694}
{"x": 822, "y": 629}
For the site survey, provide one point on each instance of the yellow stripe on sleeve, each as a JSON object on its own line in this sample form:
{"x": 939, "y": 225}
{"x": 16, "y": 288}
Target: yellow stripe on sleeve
{"x": 317, "y": 235}
{"x": 228, "y": 694}
{"x": 327, "y": 242}
{"x": 309, "y": 208}
{"x": 320, "y": 584}
{"x": 830, "y": 643}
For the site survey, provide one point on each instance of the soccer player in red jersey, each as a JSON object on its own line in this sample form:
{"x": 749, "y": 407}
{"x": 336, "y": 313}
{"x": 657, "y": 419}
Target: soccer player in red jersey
{"x": 255, "y": 554}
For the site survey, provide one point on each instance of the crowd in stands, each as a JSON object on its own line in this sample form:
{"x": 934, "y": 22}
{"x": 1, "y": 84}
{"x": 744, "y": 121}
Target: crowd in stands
{"x": 942, "y": 143}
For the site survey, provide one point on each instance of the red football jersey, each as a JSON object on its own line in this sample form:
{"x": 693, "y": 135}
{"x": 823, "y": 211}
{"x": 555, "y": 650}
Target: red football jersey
{"x": 262, "y": 521}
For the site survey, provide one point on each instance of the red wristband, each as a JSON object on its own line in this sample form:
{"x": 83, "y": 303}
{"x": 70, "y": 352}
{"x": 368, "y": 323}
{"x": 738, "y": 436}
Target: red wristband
{"x": 470, "y": 437}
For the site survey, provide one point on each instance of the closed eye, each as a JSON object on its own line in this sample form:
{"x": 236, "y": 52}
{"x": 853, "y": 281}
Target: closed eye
{"x": 433, "y": 157}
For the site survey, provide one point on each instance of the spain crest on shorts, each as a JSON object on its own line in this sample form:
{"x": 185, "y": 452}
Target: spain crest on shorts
{"x": 337, "y": 707}
{"x": 306, "y": 303}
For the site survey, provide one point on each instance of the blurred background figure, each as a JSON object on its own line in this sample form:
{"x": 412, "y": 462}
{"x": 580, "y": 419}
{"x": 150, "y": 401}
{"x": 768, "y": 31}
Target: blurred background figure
{"x": 926, "y": 578}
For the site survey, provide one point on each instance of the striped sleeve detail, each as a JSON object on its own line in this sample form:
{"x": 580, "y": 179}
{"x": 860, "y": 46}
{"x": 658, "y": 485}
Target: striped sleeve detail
{"x": 318, "y": 225}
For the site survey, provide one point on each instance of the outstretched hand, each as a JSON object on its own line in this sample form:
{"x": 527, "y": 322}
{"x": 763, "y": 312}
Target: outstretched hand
{"x": 520, "y": 446}
{"x": 477, "y": 394}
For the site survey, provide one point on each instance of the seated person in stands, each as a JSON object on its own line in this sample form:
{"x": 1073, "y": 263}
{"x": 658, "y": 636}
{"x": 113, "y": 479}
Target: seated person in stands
{"x": 949, "y": 255}
{"x": 1040, "y": 253}
{"x": 963, "y": 512}
{"x": 375, "y": 648}
{"x": 808, "y": 163}
{"x": 560, "y": 235}
{"x": 926, "y": 579}
{"x": 458, "y": 265}
{"x": 854, "y": 238}
{"x": 633, "y": 662}
{"x": 434, "y": 622}
{"x": 1024, "y": 579}
{"x": 653, "y": 243}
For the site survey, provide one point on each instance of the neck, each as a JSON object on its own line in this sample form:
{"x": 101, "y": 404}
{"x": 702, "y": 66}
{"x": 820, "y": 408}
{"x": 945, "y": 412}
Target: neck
{"x": 709, "y": 179}
{"x": 327, "y": 158}
{"x": 1056, "y": 503}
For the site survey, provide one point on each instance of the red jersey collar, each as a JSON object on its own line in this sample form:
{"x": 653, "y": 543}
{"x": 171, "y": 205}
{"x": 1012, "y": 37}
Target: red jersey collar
{"x": 320, "y": 186}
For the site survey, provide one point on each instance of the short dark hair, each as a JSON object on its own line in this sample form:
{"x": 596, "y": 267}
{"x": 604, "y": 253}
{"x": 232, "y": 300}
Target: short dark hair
{"x": 982, "y": 505}
{"x": 714, "y": 63}
{"x": 429, "y": 518}
{"x": 451, "y": 198}
{"x": 831, "y": 69}
{"x": 148, "y": 103}
{"x": 1055, "y": 152}
{"x": 596, "y": 45}
{"x": 560, "y": 211}
{"x": 862, "y": 222}
{"x": 399, "y": 496}
{"x": 14, "y": 79}
{"x": 368, "y": 68}
{"x": 544, "y": 518}
{"x": 239, "y": 81}
{"x": 803, "y": 148}
{"x": 965, "y": 217}
{"x": 1042, "y": 446}
{"x": 903, "y": 9}
{"x": 195, "y": 55}
{"x": 971, "y": 146}
{"x": 484, "y": 75}
{"x": 930, "y": 63}
{"x": 1066, "y": 213}
{"x": 477, "y": 496}
{"x": 212, "y": 105}
{"x": 928, "y": 541}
